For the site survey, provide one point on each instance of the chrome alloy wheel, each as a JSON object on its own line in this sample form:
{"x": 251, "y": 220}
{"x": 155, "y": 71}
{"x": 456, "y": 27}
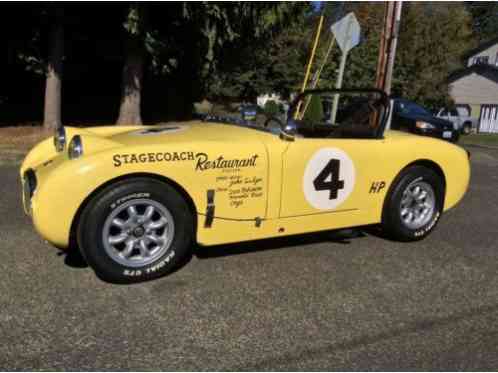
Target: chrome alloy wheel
{"x": 417, "y": 204}
{"x": 138, "y": 232}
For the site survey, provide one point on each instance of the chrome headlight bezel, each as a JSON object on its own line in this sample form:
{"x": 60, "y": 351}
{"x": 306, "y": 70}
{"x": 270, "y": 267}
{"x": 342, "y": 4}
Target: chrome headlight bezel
{"x": 59, "y": 139}
{"x": 75, "y": 148}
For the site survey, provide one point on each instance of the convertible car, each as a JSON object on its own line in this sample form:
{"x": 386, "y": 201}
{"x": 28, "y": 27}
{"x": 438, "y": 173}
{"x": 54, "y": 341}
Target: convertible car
{"x": 136, "y": 199}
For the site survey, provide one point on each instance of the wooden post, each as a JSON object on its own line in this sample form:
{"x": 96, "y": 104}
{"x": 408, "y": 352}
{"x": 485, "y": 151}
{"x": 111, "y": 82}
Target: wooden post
{"x": 387, "y": 51}
{"x": 388, "y": 44}
{"x": 393, "y": 43}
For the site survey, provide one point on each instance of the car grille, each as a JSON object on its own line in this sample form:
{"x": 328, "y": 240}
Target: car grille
{"x": 29, "y": 187}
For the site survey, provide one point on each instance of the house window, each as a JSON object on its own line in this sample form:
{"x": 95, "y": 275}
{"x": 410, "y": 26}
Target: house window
{"x": 481, "y": 60}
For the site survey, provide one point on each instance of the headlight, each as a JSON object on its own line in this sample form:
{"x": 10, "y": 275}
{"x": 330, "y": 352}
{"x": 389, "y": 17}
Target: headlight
{"x": 424, "y": 126}
{"x": 75, "y": 149}
{"x": 60, "y": 138}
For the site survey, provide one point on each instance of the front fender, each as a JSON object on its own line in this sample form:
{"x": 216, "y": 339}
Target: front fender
{"x": 64, "y": 185}
{"x": 237, "y": 177}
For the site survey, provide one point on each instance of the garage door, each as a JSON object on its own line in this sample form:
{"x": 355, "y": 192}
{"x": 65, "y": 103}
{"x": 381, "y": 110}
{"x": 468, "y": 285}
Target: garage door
{"x": 488, "y": 120}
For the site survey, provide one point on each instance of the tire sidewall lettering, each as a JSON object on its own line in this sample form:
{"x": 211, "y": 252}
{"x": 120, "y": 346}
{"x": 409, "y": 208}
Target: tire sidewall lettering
{"x": 124, "y": 199}
{"x": 423, "y": 231}
{"x": 152, "y": 268}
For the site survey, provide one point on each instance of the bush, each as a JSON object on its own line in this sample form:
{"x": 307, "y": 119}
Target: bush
{"x": 272, "y": 108}
{"x": 314, "y": 112}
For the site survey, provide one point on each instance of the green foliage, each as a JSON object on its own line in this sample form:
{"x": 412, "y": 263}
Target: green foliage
{"x": 433, "y": 38}
{"x": 256, "y": 62}
{"x": 239, "y": 50}
{"x": 272, "y": 108}
{"x": 314, "y": 112}
{"x": 484, "y": 19}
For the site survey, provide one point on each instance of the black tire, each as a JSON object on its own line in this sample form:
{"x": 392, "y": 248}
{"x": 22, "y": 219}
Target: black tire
{"x": 392, "y": 222}
{"x": 90, "y": 230}
{"x": 467, "y": 128}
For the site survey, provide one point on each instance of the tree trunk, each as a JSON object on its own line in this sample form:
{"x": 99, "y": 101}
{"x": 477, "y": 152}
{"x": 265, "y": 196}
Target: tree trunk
{"x": 131, "y": 89}
{"x": 131, "y": 84}
{"x": 52, "y": 109}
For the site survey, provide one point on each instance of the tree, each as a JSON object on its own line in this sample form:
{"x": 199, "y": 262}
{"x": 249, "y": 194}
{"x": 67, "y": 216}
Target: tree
{"x": 484, "y": 19}
{"x": 433, "y": 38}
{"x": 37, "y": 42}
{"x": 53, "y": 84}
{"x": 131, "y": 88}
{"x": 256, "y": 61}
{"x": 314, "y": 112}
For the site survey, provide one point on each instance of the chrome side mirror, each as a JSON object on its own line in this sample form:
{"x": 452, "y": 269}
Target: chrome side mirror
{"x": 289, "y": 130}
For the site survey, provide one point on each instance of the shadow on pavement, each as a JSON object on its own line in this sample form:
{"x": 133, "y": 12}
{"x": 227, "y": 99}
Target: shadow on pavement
{"x": 74, "y": 259}
{"x": 343, "y": 236}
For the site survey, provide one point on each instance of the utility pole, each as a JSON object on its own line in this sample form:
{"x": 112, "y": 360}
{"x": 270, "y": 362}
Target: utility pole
{"x": 387, "y": 50}
{"x": 388, "y": 44}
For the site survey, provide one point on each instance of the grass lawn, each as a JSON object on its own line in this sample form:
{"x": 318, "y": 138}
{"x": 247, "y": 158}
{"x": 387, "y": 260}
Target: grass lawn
{"x": 15, "y": 142}
{"x": 489, "y": 139}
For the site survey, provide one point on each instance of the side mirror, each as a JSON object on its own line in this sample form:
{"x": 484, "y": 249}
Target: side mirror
{"x": 289, "y": 130}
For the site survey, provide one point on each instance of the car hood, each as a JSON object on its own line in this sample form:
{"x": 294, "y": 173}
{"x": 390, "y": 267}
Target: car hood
{"x": 187, "y": 132}
{"x": 98, "y": 139}
{"x": 441, "y": 123}
{"x": 436, "y": 121}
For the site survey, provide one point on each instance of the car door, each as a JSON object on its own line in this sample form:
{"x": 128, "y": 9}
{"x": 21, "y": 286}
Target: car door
{"x": 332, "y": 168}
{"x": 330, "y": 175}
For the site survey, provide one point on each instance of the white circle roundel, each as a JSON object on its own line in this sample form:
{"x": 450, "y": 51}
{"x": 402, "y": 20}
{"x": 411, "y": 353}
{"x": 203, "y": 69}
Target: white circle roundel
{"x": 328, "y": 178}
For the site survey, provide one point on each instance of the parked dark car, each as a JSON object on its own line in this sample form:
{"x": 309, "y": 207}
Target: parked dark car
{"x": 409, "y": 116}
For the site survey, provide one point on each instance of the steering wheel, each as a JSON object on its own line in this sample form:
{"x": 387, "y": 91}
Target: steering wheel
{"x": 273, "y": 119}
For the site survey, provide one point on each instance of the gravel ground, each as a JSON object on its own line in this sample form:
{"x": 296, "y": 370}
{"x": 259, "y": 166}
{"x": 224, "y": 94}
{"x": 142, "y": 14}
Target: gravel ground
{"x": 301, "y": 303}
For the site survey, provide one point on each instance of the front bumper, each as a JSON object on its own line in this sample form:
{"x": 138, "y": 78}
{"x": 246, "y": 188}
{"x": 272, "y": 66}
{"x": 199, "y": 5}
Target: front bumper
{"x": 439, "y": 134}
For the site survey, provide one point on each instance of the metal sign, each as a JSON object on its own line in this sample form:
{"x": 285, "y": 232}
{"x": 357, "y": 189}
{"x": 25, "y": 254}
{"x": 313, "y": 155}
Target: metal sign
{"x": 347, "y": 32}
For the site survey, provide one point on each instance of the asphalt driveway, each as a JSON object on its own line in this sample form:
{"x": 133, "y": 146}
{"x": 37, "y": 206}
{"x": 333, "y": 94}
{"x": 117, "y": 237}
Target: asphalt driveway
{"x": 302, "y": 303}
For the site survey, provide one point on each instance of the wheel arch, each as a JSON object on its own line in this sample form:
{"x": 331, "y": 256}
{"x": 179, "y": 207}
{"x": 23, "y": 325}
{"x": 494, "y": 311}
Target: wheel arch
{"x": 161, "y": 178}
{"x": 431, "y": 165}
{"x": 419, "y": 162}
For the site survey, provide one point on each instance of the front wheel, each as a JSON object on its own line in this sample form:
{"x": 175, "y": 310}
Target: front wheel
{"x": 414, "y": 204}
{"x": 135, "y": 230}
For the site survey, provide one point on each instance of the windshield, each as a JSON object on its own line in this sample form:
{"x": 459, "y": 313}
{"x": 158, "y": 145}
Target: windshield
{"x": 346, "y": 114}
{"x": 247, "y": 115}
{"x": 407, "y": 107}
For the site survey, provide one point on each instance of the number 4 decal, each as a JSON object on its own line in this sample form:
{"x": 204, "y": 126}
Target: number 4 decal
{"x": 328, "y": 179}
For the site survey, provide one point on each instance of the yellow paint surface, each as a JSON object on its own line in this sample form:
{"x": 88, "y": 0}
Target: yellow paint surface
{"x": 255, "y": 176}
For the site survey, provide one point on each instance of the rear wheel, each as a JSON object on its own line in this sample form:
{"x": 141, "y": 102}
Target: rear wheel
{"x": 135, "y": 230}
{"x": 414, "y": 204}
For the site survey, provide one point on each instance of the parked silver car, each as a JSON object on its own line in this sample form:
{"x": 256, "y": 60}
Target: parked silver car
{"x": 460, "y": 117}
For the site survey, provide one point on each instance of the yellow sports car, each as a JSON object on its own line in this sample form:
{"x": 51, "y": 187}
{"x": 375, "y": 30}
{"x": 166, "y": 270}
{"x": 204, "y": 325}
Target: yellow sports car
{"x": 136, "y": 199}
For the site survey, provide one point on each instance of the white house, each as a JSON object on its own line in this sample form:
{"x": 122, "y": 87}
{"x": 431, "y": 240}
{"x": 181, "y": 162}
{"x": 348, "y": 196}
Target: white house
{"x": 476, "y": 86}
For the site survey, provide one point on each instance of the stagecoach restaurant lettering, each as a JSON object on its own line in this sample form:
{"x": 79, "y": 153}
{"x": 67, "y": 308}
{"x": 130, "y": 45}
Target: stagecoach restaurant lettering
{"x": 202, "y": 160}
